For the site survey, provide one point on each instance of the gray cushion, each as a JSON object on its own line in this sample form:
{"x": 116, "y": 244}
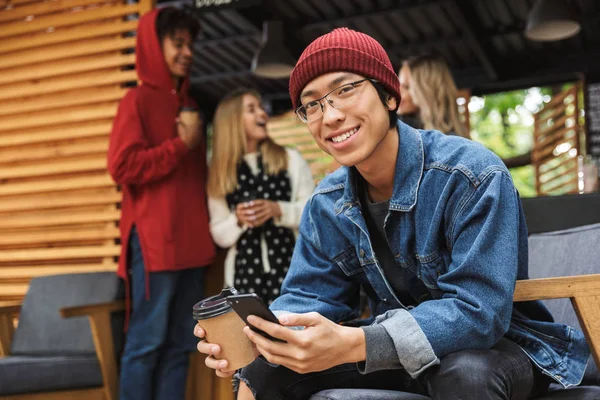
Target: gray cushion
{"x": 574, "y": 251}
{"x": 27, "y": 374}
{"x": 41, "y": 329}
{"x": 364, "y": 394}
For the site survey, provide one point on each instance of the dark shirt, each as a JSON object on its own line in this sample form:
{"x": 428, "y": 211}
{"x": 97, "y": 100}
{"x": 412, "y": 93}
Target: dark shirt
{"x": 375, "y": 214}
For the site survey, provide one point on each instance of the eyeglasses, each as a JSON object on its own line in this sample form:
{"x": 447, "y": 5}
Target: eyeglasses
{"x": 338, "y": 98}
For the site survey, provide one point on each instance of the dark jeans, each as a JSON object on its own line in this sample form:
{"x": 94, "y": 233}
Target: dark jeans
{"x": 503, "y": 372}
{"x": 160, "y": 336}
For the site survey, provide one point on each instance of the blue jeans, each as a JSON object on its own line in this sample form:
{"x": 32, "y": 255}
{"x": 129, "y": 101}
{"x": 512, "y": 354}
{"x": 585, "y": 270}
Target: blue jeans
{"x": 503, "y": 372}
{"x": 160, "y": 336}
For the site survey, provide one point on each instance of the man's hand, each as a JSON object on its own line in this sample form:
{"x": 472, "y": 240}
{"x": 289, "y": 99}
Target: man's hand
{"x": 189, "y": 133}
{"x": 321, "y": 345}
{"x": 256, "y": 212}
{"x": 213, "y": 351}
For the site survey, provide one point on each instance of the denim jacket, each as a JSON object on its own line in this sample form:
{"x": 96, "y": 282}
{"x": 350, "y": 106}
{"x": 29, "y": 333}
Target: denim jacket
{"x": 456, "y": 225}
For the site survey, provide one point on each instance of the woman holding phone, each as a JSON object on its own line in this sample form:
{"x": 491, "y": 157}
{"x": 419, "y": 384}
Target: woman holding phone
{"x": 257, "y": 190}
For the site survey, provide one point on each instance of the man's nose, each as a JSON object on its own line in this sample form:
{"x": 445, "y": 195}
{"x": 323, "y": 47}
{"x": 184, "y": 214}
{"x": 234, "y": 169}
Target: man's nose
{"x": 331, "y": 114}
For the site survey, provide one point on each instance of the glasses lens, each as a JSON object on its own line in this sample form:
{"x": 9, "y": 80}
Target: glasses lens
{"x": 343, "y": 96}
{"x": 301, "y": 112}
{"x": 339, "y": 98}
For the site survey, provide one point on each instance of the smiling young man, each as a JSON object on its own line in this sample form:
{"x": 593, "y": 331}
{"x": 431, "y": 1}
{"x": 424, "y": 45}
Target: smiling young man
{"x": 165, "y": 237}
{"x": 431, "y": 227}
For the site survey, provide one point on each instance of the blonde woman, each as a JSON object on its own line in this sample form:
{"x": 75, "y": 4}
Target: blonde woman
{"x": 257, "y": 190}
{"x": 429, "y": 95}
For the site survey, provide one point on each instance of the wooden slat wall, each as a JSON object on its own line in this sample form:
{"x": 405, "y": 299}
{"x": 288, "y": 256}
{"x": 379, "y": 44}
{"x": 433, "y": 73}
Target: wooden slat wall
{"x": 63, "y": 66}
{"x": 556, "y": 144}
{"x": 288, "y": 130}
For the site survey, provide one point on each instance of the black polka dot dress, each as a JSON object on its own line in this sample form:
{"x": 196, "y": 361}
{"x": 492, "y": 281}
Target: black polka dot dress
{"x": 263, "y": 253}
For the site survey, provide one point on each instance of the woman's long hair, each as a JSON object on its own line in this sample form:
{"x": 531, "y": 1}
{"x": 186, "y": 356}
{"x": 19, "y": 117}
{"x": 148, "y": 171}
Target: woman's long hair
{"x": 229, "y": 145}
{"x": 434, "y": 92}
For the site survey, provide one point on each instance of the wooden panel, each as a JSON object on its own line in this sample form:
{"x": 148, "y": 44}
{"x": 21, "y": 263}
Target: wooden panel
{"x": 69, "y": 50}
{"x": 61, "y": 200}
{"x": 66, "y": 99}
{"x": 58, "y": 236}
{"x": 11, "y": 291}
{"x": 67, "y": 35}
{"x": 558, "y": 99}
{"x": 588, "y": 313}
{"x": 21, "y": 274}
{"x": 59, "y": 253}
{"x": 51, "y": 134}
{"x": 70, "y": 218}
{"x": 12, "y": 3}
{"x": 551, "y": 130}
{"x": 65, "y": 67}
{"x": 67, "y": 115}
{"x": 293, "y": 141}
{"x": 550, "y": 114}
{"x": 52, "y": 151}
{"x": 559, "y": 123}
{"x": 47, "y": 186}
{"x": 565, "y": 181}
{"x": 61, "y": 77}
{"x": 76, "y": 81}
{"x": 38, "y": 9}
{"x": 65, "y": 19}
{"x": 551, "y": 175}
{"x": 65, "y": 167}
{"x": 288, "y": 130}
{"x": 557, "y": 288}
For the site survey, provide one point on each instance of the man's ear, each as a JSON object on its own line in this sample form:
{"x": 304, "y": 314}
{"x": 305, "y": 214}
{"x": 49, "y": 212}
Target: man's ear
{"x": 391, "y": 101}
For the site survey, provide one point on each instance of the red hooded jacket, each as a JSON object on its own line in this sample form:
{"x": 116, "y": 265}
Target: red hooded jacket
{"x": 163, "y": 182}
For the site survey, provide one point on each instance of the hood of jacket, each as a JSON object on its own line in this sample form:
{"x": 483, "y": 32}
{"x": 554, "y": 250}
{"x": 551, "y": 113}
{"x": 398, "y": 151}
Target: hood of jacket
{"x": 151, "y": 67}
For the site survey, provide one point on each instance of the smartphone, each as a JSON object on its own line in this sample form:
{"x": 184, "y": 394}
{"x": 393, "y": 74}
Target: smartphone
{"x": 250, "y": 304}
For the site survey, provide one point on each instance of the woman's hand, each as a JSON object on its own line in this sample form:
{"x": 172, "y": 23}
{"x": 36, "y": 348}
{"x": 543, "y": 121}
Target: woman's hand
{"x": 322, "y": 344}
{"x": 255, "y": 213}
{"x": 242, "y": 214}
{"x": 213, "y": 350}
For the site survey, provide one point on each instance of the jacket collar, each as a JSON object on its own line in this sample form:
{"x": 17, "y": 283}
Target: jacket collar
{"x": 409, "y": 170}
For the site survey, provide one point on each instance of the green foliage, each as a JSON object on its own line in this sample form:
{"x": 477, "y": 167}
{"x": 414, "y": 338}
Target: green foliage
{"x": 503, "y": 122}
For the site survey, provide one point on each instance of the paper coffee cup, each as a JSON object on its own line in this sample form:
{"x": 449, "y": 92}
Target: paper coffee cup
{"x": 224, "y": 327}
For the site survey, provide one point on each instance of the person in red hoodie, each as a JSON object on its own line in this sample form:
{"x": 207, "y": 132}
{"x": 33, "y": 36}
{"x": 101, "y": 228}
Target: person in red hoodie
{"x": 160, "y": 164}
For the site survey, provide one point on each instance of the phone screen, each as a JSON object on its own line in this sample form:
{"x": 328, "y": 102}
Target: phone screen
{"x": 250, "y": 304}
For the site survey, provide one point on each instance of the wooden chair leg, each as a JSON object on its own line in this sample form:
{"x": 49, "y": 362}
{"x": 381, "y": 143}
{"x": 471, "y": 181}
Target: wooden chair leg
{"x": 587, "y": 309}
{"x": 6, "y": 334}
{"x": 102, "y": 334}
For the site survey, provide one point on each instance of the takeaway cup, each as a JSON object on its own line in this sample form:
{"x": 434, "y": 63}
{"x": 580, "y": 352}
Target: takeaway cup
{"x": 224, "y": 327}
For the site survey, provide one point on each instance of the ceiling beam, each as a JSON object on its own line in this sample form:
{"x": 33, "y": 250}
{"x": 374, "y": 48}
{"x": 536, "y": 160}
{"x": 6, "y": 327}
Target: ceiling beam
{"x": 457, "y": 14}
{"x": 373, "y": 14}
{"x": 420, "y": 46}
{"x": 562, "y": 67}
{"x": 254, "y": 37}
{"x": 198, "y": 80}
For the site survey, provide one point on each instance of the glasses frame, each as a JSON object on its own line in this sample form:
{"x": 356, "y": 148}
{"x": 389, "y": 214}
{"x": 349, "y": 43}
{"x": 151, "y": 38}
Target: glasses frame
{"x": 321, "y": 102}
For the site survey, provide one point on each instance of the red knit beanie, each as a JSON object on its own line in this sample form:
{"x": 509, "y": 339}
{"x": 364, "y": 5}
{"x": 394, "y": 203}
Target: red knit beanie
{"x": 343, "y": 50}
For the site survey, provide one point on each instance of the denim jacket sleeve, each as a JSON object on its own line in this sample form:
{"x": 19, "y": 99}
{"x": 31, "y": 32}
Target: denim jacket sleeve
{"x": 315, "y": 282}
{"x": 475, "y": 309}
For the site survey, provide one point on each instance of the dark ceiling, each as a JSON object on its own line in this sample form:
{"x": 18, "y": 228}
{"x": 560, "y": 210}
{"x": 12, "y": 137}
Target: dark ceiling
{"x": 482, "y": 40}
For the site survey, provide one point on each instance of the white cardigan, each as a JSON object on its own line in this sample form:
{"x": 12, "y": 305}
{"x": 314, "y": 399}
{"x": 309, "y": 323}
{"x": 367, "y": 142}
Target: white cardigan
{"x": 224, "y": 223}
